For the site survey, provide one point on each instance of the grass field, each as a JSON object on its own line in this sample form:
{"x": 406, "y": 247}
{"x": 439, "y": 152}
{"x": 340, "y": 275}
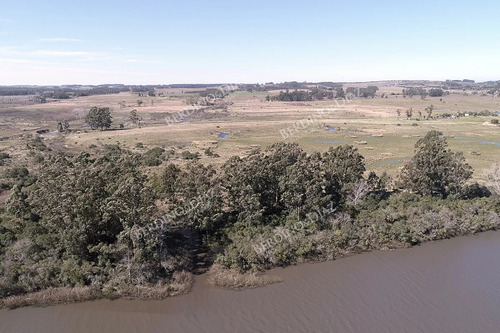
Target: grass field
{"x": 372, "y": 125}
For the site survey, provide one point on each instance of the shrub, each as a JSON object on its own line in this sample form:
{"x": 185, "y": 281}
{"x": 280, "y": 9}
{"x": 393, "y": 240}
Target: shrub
{"x": 154, "y": 156}
{"x": 187, "y": 155}
{"x": 3, "y": 156}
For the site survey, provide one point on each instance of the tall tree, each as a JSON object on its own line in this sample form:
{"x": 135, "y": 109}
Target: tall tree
{"x": 99, "y": 118}
{"x": 435, "y": 170}
{"x": 134, "y": 117}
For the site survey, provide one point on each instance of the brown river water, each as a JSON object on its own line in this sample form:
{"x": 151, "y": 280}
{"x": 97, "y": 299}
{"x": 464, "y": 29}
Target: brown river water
{"x": 446, "y": 286}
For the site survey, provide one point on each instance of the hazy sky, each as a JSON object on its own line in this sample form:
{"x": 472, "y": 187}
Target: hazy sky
{"x": 154, "y": 42}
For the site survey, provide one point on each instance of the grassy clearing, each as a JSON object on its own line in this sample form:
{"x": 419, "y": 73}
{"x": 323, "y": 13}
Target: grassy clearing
{"x": 251, "y": 121}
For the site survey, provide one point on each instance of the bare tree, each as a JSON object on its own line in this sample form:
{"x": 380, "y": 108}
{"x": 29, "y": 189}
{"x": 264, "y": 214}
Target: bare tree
{"x": 409, "y": 113}
{"x": 429, "y": 110}
{"x": 493, "y": 178}
{"x": 359, "y": 191}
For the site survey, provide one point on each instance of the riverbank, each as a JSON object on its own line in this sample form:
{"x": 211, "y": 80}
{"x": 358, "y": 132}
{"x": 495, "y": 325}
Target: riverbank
{"x": 448, "y": 286}
{"x": 181, "y": 283}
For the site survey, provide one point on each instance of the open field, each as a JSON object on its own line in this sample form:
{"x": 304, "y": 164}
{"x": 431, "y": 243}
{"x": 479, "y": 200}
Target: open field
{"x": 372, "y": 125}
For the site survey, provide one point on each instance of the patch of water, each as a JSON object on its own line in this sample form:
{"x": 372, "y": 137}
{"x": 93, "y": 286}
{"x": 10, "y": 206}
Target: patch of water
{"x": 331, "y": 142}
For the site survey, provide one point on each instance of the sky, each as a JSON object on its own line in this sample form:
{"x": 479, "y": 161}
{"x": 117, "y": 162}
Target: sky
{"x": 164, "y": 42}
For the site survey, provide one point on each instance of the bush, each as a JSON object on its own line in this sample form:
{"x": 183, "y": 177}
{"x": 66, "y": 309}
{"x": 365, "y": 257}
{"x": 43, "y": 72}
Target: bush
{"x": 187, "y": 155}
{"x": 210, "y": 153}
{"x": 436, "y": 92}
{"x": 494, "y": 121}
{"x": 154, "y": 157}
{"x": 3, "y": 156}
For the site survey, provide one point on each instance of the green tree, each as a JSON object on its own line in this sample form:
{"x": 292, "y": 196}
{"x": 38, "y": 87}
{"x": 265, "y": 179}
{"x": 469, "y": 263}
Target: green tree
{"x": 154, "y": 156}
{"x": 99, "y": 118}
{"x": 88, "y": 220}
{"x": 435, "y": 170}
{"x": 134, "y": 117}
{"x": 436, "y": 92}
{"x": 346, "y": 164}
{"x": 340, "y": 93}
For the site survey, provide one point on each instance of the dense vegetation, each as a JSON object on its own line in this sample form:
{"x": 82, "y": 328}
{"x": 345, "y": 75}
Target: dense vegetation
{"x": 105, "y": 221}
{"x": 433, "y": 92}
{"x": 61, "y": 92}
{"x": 368, "y": 92}
{"x": 315, "y": 94}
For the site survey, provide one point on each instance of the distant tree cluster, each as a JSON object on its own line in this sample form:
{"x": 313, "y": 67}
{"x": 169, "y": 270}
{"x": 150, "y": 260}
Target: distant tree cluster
{"x": 436, "y": 92}
{"x": 291, "y": 96}
{"x": 368, "y": 92}
{"x": 419, "y": 91}
{"x": 302, "y": 95}
{"x": 414, "y": 91}
{"x": 214, "y": 93}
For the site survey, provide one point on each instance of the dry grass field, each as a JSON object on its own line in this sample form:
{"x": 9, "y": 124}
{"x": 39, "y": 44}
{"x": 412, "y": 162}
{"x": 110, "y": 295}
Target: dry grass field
{"x": 250, "y": 121}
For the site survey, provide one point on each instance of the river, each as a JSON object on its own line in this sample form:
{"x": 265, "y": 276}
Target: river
{"x": 445, "y": 286}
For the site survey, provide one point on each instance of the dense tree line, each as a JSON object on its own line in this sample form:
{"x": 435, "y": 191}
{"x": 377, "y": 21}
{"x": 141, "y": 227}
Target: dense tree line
{"x": 315, "y": 94}
{"x": 419, "y": 91}
{"x": 92, "y": 219}
{"x": 99, "y": 91}
{"x": 369, "y": 91}
{"x": 436, "y": 92}
{"x": 74, "y": 221}
{"x": 61, "y": 92}
{"x": 214, "y": 93}
{"x": 19, "y": 91}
